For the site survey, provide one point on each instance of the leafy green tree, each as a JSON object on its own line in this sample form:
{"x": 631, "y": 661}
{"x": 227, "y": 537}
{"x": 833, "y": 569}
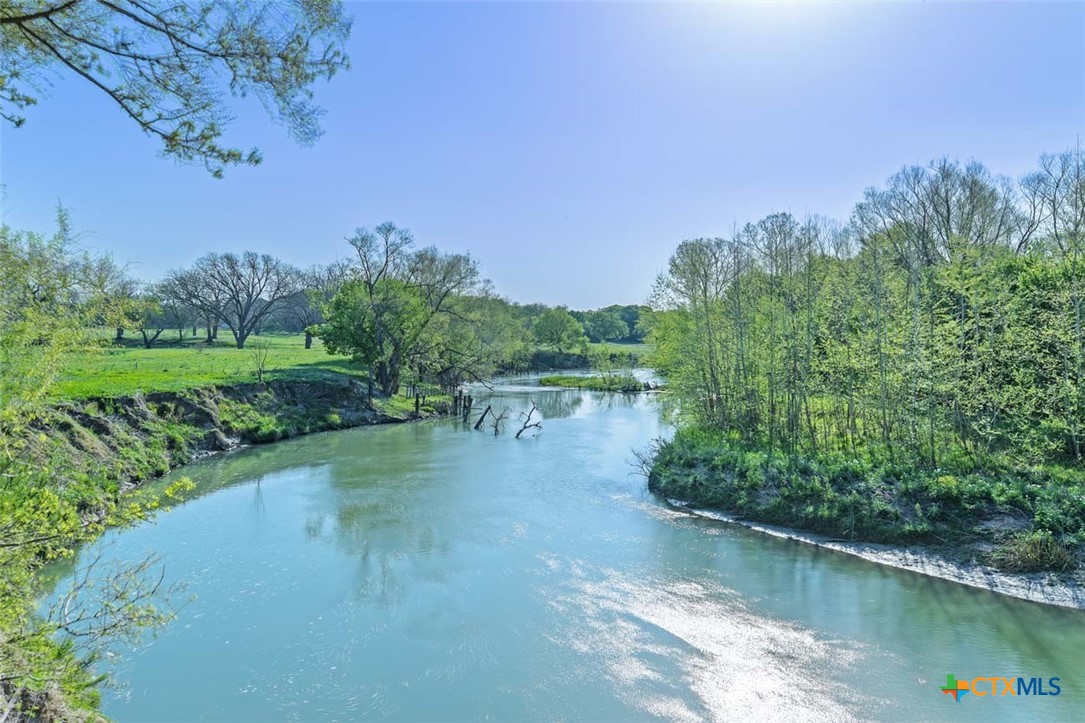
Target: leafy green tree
{"x": 942, "y": 323}
{"x": 558, "y": 329}
{"x": 604, "y": 326}
{"x": 395, "y": 313}
{"x": 47, "y": 302}
{"x": 167, "y": 65}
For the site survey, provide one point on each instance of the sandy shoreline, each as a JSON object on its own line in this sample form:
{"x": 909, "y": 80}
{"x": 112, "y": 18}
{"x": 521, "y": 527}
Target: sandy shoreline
{"x": 1040, "y": 587}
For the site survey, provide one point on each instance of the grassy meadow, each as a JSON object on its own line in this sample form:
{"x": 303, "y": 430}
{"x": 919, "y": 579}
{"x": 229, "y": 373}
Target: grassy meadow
{"x": 121, "y": 370}
{"x": 638, "y": 349}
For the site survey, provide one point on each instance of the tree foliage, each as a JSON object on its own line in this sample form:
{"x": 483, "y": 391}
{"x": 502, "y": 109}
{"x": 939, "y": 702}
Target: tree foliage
{"x": 943, "y": 321}
{"x": 51, "y": 293}
{"x": 405, "y": 310}
{"x": 605, "y": 326}
{"x": 557, "y": 328}
{"x": 168, "y": 65}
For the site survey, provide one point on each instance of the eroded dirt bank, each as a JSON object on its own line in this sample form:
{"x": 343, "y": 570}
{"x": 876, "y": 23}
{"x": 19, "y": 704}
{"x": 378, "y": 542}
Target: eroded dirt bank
{"x": 1062, "y": 590}
{"x": 125, "y": 440}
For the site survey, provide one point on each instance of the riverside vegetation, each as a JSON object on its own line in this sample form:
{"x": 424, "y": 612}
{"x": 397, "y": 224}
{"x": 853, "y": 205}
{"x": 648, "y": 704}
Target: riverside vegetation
{"x": 81, "y": 424}
{"x": 87, "y": 412}
{"x": 915, "y": 376}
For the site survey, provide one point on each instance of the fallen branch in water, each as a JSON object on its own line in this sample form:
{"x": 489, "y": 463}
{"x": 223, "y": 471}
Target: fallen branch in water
{"x": 498, "y": 419}
{"x": 528, "y": 424}
{"x": 482, "y": 417}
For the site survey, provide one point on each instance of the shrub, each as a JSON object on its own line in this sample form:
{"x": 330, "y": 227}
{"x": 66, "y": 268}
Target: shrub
{"x": 1032, "y": 552}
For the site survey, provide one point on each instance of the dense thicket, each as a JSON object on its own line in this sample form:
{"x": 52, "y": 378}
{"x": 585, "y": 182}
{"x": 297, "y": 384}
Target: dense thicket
{"x": 914, "y": 375}
{"x": 944, "y": 320}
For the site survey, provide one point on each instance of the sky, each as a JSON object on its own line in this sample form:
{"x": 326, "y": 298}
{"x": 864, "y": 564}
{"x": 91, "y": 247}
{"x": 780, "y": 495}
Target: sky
{"x": 570, "y": 147}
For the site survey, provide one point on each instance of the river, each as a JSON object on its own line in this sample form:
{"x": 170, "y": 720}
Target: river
{"x": 428, "y": 571}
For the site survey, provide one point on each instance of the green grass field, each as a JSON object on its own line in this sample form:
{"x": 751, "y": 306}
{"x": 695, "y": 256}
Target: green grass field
{"x": 614, "y": 347}
{"x": 171, "y": 366}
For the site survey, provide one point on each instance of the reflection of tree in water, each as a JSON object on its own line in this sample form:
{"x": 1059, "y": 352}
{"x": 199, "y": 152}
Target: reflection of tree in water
{"x": 567, "y": 402}
{"x": 258, "y": 506}
{"x": 376, "y": 509}
{"x": 552, "y": 404}
{"x": 560, "y": 403}
{"x": 390, "y": 546}
{"x": 608, "y": 401}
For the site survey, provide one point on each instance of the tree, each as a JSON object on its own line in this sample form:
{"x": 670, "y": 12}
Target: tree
{"x": 167, "y": 64}
{"x": 395, "y": 311}
{"x": 630, "y": 316}
{"x": 149, "y": 317}
{"x": 478, "y": 336}
{"x": 47, "y": 302}
{"x": 115, "y": 290}
{"x": 304, "y": 310}
{"x": 557, "y": 328}
{"x": 177, "y": 314}
{"x": 238, "y": 291}
{"x": 604, "y": 326}
{"x": 944, "y": 323}
{"x": 191, "y": 289}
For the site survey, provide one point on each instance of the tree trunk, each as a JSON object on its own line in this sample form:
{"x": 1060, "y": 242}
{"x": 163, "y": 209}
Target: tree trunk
{"x": 482, "y": 417}
{"x": 308, "y": 340}
{"x": 150, "y": 339}
{"x": 120, "y": 334}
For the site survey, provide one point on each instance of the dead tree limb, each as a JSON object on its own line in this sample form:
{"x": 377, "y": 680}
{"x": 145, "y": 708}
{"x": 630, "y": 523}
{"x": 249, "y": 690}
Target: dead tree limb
{"x": 482, "y": 417}
{"x": 528, "y": 424}
{"x": 498, "y": 419}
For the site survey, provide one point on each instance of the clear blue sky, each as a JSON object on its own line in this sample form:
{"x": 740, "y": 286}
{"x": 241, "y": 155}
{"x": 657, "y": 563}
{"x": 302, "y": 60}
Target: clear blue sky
{"x": 570, "y": 147}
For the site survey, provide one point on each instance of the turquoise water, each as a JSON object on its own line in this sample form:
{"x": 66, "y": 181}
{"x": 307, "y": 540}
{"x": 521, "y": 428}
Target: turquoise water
{"x": 427, "y": 571}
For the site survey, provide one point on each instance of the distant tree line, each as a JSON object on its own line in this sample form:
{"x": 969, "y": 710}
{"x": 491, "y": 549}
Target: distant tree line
{"x": 414, "y": 316}
{"x": 943, "y": 320}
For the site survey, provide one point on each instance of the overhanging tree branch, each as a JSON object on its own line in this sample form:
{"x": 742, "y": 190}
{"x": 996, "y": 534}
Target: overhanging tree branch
{"x": 30, "y": 17}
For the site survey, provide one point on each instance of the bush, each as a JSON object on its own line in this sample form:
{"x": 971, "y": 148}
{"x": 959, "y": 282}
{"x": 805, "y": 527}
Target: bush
{"x": 1032, "y": 552}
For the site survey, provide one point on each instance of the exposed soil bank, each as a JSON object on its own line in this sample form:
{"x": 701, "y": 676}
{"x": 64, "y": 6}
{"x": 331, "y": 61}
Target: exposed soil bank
{"x": 125, "y": 440}
{"x": 1064, "y": 590}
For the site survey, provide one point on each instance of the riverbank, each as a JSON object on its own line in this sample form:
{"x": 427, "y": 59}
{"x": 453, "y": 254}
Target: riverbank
{"x": 80, "y": 469}
{"x": 126, "y": 440}
{"x": 1063, "y": 591}
{"x": 1012, "y": 529}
